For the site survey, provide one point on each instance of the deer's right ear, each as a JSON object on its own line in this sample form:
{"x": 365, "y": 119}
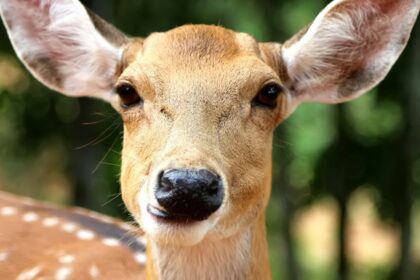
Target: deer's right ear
{"x": 66, "y": 47}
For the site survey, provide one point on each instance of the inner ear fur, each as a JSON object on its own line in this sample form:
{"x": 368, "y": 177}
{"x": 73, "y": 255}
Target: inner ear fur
{"x": 348, "y": 49}
{"x": 65, "y": 46}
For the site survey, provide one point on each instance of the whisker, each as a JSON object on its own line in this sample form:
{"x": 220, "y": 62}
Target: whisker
{"x": 105, "y": 114}
{"x": 114, "y": 126}
{"x": 106, "y": 154}
{"x": 106, "y": 137}
{"x": 109, "y": 164}
{"x": 116, "y": 152}
{"x": 114, "y": 197}
{"x": 105, "y": 118}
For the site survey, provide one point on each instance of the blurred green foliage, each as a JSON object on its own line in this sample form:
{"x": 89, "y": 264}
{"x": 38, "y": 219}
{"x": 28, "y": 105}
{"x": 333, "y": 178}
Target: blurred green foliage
{"x": 68, "y": 151}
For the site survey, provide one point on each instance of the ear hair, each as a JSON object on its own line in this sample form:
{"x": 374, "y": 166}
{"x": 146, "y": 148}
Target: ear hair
{"x": 348, "y": 49}
{"x": 67, "y": 48}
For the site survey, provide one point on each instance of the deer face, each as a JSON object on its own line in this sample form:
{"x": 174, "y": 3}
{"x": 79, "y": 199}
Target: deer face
{"x": 209, "y": 99}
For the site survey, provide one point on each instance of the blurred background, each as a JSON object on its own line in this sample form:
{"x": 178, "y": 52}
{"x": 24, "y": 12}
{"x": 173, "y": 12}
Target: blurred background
{"x": 346, "y": 190}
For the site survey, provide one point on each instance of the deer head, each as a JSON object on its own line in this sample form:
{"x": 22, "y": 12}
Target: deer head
{"x": 199, "y": 105}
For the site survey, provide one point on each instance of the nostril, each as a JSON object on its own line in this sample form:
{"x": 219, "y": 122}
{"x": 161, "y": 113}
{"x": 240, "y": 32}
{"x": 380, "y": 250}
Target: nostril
{"x": 214, "y": 188}
{"x": 165, "y": 184}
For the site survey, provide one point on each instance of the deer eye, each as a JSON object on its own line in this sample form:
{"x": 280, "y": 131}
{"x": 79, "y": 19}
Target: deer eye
{"x": 267, "y": 96}
{"x": 129, "y": 96}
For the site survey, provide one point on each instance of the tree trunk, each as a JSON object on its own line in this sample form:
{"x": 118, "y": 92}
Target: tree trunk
{"x": 343, "y": 267}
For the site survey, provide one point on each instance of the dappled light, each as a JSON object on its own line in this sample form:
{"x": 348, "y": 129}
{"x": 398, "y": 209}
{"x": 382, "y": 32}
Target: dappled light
{"x": 13, "y": 78}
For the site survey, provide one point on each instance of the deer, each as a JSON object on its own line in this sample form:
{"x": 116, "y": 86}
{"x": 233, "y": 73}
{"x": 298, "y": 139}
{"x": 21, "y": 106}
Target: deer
{"x": 199, "y": 105}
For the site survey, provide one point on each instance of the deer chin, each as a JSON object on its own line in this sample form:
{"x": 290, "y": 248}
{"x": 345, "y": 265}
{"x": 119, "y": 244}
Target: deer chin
{"x": 164, "y": 228}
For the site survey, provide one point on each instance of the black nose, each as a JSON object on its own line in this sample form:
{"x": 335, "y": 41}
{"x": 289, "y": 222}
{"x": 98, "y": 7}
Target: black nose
{"x": 189, "y": 194}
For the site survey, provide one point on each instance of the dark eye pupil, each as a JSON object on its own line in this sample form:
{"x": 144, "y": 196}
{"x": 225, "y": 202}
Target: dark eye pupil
{"x": 268, "y": 95}
{"x": 272, "y": 92}
{"x": 128, "y": 95}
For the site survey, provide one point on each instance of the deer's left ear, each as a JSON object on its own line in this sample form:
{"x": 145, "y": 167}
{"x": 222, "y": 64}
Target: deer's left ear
{"x": 348, "y": 49}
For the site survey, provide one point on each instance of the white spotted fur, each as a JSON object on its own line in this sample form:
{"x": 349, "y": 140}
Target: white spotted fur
{"x": 4, "y": 255}
{"x": 63, "y": 273}
{"x": 69, "y": 227}
{"x": 94, "y": 271}
{"x": 84, "y": 234}
{"x": 8, "y": 211}
{"x": 30, "y": 273}
{"x": 66, "y": 259}
{"x": 50, "y": 222}
{"x": 30, "y": 217}
{"x": 111, "y": 242}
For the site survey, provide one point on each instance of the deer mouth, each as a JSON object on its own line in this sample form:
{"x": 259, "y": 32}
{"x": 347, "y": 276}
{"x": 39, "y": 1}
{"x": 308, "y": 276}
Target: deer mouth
{"x": 166, "y": 217}
{"x": 173, "y": 227}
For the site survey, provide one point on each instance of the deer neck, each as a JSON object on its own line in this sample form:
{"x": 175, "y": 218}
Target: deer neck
{"x": 241, "y": 256}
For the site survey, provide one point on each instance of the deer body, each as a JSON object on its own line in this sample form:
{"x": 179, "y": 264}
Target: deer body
{"x": 71, "y": 244}
{"x": 199, "y": 105}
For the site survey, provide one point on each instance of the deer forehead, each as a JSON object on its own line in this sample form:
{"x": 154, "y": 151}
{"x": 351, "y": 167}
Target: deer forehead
{"x": 202, "y": 43}
{"x": 195, "y": 61}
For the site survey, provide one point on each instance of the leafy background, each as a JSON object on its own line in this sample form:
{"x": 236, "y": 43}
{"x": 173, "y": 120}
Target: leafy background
{"x": 346, "y": 189}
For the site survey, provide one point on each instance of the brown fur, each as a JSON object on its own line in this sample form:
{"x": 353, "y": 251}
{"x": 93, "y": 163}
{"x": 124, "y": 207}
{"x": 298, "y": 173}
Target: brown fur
{"x": 186, "y": 68}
